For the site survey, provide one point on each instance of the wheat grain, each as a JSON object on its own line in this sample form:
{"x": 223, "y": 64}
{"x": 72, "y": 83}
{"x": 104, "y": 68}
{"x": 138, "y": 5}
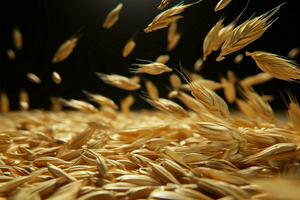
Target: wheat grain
{"x": 119, "y": 81}
{"x": 229, "y": 90}
{"x": 59, "y": 173}
{"x": 210, "y": 84}
{"x": 167, "y": 106}
{"x": 5, "y": 105}
{"x": 65, "y": 50}
{"x": 164, "y": 19}
{"x": 152, "y": 90}
{"x": 198, "y": 65}
{"x": 128, "y": 48}
{"x": 17, "y": 38}
{"x": 33, "y": 78}
{"x": 141, "y": 180}
{"x": 212, "y": 40}
{"x": 260, "y": 78}
{"x": 69, "y": 191}
{"x": 294, "y": 113}
{"x": 163, "y": 174}
{"x": 238, "y": 59}
{"x": 80, "y": 105}
{"x": 175, "y": 81}
{"x": 163, "y": 59}
{"x": 56, "y": 78}
{"x": 107, "y": 195}
{"x": 163, "y": 4}
{"x": 173, "y": 36}
{"x": 24, "y": 100}
{"x": 247, "y": 32}
{"x": 112, "y": 17}
{"x": 101, "y": 100}
{"x": 167, "y": 195}
{"x": 152, "y": 68}
{"x": 222, "y": 4}
{"x": 214, "y": 103}
{"x": 275, "y": 65}
{"x": 11, "y": 54}
{"x": 293, "y": 53}
{"x": 126, "y": 104}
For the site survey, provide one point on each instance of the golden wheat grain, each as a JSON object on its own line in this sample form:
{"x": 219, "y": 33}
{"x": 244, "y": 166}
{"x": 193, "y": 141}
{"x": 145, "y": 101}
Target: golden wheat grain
{"x": 174, "y": 42}
{"x": 222, "y": 4}
{"x": 229, "y": 90}
{"x": 173, "y": 36}
{"x": 198, "y": 65}
{"x": 250, "y": 81}
{"x": 213, "y": 102}
{"x": 17, "y": 38}
{"x": 247, "y": 32}
{"x": 210, "y": 84}
{"x": 174, "y": 168}
{"x": 163, "y": 4}
{"x": 65, "y": 50}
{"x": 5, "y": 105}
{"x": 166, "y": 105}
{"x": 42, "y": 161}
{"x": 11, "y": 54}
{"x": 238, "y": 59}
{"x": 23, "y": 100}
{"x": 189, "y": 101}
{"x": 175, "y": 81}
{"x": 163, "y": 59}
{"x": 212, "y": 40}
{"x": 294, "y": 53}
{"x": 163, "y": 174}
{"x": 59, "y": 173}
{"x": 231, "y": 76}
{"x": 56, "y": 104}
{"x": 112, "y": 17}
{"x": 275, "y": 65}
{"x": 141, "y": 180}
{"x": 56, "y": 78}
{"x": 69, "y": 191}
{"x": 140, "y": 192}
{"x": 294, "y": 113}
{"x": 272, "y": 151}
{"x": 101, "y": 100}
{"x": 107, "y": 195}
{"x": 164, "y": 19}
{"x": 119, "y": 81}
{"x": 167, "y": 195}
{"x": 152, "y": 90}
{"x": 13, "y": 184}
{"x": 126, "y": 103}
{"x": 83, "y": 137}
{"x": 259, "y": 106}
{"x": 79, "y": 105}
{"x": 153, "y": 68}
{"x": 128, "y": 48}
{"x": 33, "y": 78}
{"x": 190, "y": 193}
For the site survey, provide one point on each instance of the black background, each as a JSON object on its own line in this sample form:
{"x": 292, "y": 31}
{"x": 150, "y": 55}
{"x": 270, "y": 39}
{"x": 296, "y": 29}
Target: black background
{"x": 46, "y": 24}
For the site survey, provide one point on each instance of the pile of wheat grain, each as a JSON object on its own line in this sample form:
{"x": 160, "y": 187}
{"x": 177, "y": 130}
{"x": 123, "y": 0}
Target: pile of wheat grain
{"x": 146, "y": 155}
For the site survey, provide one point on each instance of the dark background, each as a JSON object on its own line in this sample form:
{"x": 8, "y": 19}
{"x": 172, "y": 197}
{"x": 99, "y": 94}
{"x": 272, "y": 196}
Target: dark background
{"x": 46, "y": 24}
